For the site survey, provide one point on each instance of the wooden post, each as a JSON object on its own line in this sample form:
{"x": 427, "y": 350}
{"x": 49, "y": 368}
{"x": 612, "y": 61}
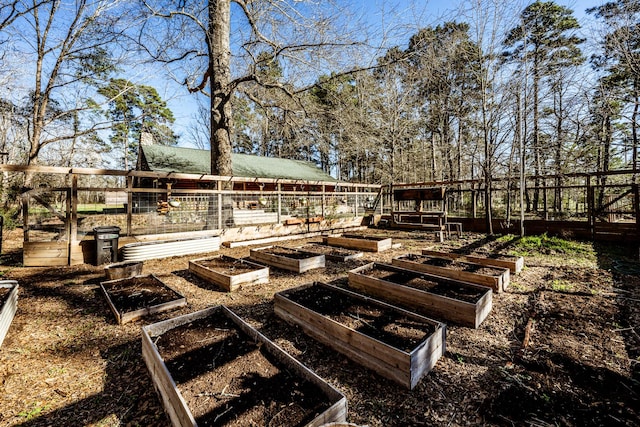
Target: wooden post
{"x": 590, "y": 208}
{"x": 474, "y": 197}
{"x": 323, "y": 199}
{"x": 544, "y": 199}
{"x": 73, "y": 229}
{"x": 279, "y": 190}
{"x": 636, "y": 198}
{"x": 25, "y": 218}
{"x": 308, "y": 207}
{"x": 219, "y": 186}
{"x": 356, "y": 209}
{"x": 72, "y": 215}
{"x": 129, "y": 204}
{"x": 67, "y": 214}
{"x": 445, "y": 207}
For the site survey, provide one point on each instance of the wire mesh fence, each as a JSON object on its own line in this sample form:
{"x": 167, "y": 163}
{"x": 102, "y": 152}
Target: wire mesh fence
{"x": 70, "y": 213}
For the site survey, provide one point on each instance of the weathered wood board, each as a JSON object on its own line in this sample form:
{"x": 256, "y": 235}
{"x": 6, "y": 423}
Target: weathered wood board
{"x": 122, "y": 270}
{"x": 515, "y": 264}
{"x": 332, "y": 253}
{"x": 494, "y": 277}
{"x": 405, "y": 366}
{"x": 113, "y": 291}
{"x": 360, "y": 243}
{"x": 248, "y": 273}
{"x": 9, "y": 307}
{"x": 49, "y": 254}
{"x": 287, "y": 258}
{"x": 172, "y": 399}
{"x": 428, "y": 294}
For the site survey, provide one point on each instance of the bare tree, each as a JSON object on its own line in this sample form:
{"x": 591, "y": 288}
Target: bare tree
{"x": 14, "y": 9}
{"x": 69, "y": 50}
{"x": 196, "y": 43}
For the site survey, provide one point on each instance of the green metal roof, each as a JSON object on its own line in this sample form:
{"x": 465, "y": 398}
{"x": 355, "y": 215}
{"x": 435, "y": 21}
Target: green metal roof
{"x": 162, "y": 158}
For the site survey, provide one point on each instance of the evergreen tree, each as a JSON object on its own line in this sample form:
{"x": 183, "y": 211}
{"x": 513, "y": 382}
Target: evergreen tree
{"x": 134, "y": 109}
{"x": 620, "y": 58}
{"x": 544, "y": 43}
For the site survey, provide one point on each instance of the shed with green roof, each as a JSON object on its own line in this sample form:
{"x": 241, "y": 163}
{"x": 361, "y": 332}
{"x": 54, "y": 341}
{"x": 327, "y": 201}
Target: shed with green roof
{"x": 162, "y": 158}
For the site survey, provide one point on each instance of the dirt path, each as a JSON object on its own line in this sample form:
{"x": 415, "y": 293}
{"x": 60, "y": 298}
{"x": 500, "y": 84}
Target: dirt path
{"x": 66, "y": 361}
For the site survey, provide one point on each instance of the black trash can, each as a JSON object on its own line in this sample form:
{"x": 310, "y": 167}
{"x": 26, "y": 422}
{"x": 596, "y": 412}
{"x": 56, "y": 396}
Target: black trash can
{"x": 106, "y": 244}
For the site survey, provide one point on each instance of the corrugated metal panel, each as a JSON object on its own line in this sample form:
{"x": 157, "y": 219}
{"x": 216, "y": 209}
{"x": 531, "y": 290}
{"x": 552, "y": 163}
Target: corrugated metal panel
{"x": 8, "y": 310}
{"x": 167, "y": 248}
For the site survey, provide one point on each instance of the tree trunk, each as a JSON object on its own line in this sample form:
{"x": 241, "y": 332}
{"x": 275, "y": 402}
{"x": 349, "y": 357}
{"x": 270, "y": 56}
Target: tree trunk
{"x": 434, "y": 163}
{"x": 536, "y": 136}
{"x": 557, "y": 195}
{"x": 634, "y": 126}
{"x": 220, "y": 77}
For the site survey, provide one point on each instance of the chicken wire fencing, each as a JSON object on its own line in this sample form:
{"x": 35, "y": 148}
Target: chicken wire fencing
{"x": 51, "y": 215}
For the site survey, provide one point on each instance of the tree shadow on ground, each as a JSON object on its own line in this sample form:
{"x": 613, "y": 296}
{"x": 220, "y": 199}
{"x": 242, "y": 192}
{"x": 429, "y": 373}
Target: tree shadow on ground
{"x": 11, "y": 259}
{"x": 127, "y": 394}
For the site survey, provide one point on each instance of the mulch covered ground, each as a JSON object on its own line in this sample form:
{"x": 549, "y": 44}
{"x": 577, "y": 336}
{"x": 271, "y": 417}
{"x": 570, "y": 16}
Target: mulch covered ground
{"x": 560, "y": 347}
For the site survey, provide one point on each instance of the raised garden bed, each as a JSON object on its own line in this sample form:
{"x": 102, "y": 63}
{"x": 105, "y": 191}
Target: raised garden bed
{"x": 397, "y": 344}
{"x": 229, "y": 273}
{"x": 332, "y": 253}
{"x": 287, "y": 258}
{"x": 212, "y": 368}
{"x": 360, "y": 243}
{"x": 513, "y": 263}
{"x": 8, "y": 305}
{"x": 122, "y": 270}
{"x": 135, "y": 297}
{"x": 451, "y": 300}
{"x": 494, "y": 277}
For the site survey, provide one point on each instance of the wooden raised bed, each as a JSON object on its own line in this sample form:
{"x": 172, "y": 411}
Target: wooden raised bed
{"x": 212, "y": 368}
{"x": 229, "y": 273}
{"x": 451, "y": 300}
{"x": 513, "y": 263}
{"x": 8, "y": 305}
{"x": 360, "y": 243}
{"x": 494, "y": 277}
{"x": 332, "y": 253}
{"x": 122, "y": 270}
{"x": 135, "y": 297}
{"x": 397, "y": 344}
{"x": 287, "y": 258}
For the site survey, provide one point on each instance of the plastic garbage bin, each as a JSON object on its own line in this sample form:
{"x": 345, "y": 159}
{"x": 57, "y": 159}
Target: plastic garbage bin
{"x": 106, "y": 244}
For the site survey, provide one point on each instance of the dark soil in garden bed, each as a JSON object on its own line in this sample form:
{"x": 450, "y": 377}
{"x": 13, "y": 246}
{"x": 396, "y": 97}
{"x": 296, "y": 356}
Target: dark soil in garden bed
{"x": 364, "y": 237}
{"x": 64, "y": 362}
{"x": 329, "y": 250}
{"x": 138, "y": 292}
{"x": 454, "y": 265}
{"x": 227, "y": 265}
{"x": 287, "y": 253}
{"x": 440, "y": 287}
{"x": 387, "y": 326}
{"x": 228, "y": 380}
